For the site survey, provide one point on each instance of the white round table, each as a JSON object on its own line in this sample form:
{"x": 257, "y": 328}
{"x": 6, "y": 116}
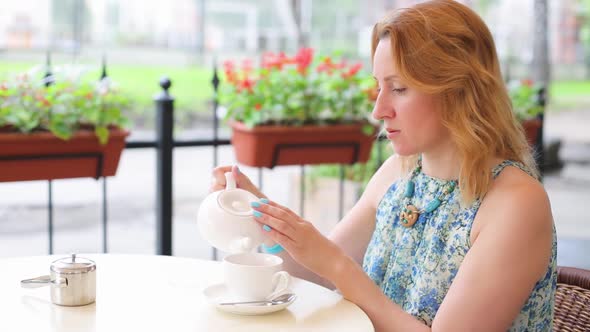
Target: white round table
{"x": 159, "y": 293}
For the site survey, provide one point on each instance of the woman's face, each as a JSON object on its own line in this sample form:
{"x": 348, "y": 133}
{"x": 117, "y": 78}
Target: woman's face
{"x": 410, "y": 117}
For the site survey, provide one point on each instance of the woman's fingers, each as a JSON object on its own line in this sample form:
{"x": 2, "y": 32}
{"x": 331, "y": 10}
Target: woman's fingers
{"x": 216, "y": 187}
{"x": 269, "y": 222}
{"x": 276, "y": 212}
{"x": 242, "y": 181}
{"x": 235, "y": 171}
{"x": 284, "y": 209}
{"x": 219, "y": 174}
{"x": 280, "y": 238}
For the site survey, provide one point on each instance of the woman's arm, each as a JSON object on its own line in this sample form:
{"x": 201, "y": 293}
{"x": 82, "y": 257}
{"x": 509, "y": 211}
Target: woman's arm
{"x": 507, "y": 258}
{"x": 353, "y": 233}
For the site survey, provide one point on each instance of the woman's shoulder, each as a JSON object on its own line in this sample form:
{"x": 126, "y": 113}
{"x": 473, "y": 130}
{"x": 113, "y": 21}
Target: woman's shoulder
{"x": 516, "y": 200}
{"x": 514, "y": 182}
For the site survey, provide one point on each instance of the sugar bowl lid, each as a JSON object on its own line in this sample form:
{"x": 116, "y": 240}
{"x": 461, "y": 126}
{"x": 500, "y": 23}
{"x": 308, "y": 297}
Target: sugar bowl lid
{"x": 73, "y": 264}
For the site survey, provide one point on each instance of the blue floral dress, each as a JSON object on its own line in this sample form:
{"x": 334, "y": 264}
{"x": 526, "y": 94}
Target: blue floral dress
{"x": 415, "y": 266}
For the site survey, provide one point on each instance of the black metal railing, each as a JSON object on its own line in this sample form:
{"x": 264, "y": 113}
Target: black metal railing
{"x": 165, "y": 143}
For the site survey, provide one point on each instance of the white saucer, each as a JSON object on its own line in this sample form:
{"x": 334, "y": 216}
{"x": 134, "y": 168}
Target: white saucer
{"x": 218, "y": 293}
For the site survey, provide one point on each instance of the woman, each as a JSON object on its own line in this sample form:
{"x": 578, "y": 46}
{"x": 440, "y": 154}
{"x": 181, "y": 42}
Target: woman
{"x": 454, "y": 232}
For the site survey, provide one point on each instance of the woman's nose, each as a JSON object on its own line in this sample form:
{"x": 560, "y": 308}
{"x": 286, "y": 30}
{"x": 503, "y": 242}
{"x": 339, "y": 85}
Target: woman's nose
{"x": 383, "y": 108}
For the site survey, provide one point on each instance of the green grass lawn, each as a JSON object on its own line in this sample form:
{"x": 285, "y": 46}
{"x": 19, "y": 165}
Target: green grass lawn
{"x": 570, "y": 89}
{"x": 191, "y": 86}
{"x": 569, "y": 95}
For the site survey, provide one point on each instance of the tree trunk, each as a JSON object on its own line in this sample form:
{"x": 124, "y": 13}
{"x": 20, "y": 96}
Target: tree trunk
{"x": 297, "y": 8}
{"x": 540, "y": 67}
{"x": 540, "y": 71}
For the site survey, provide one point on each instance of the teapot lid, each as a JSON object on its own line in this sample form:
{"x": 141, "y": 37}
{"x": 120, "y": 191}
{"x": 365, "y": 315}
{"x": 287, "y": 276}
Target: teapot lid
{"x": 236, "y": 202}
{"x": 73, "y": 264}
{"x": 233, "y": 200}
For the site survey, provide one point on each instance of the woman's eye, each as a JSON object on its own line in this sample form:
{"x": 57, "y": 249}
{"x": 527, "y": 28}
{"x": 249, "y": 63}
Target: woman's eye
{"x": 399, "y": 90}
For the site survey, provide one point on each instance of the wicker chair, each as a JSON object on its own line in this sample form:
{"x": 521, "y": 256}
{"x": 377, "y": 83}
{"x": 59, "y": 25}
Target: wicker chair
{"x": 572, "y": 300}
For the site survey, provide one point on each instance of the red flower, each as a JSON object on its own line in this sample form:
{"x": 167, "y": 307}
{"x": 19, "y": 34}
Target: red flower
{"x": 270, "y": 61}
{"x": 230, "y": 73}
{"x": 258, "y": 106}
{"x": 43, "y": 100}
{"x": 352, "y": 70}
{"x": 527, "y": 82}
{"x": 326, "y": 66}
{"x": 228, "y": 65}
{"x": 246, "y": 84}
{"x": 303, "y": 59}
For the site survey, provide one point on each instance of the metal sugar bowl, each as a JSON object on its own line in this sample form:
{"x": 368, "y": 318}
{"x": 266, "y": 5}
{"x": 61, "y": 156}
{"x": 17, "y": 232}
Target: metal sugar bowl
{"x": 72, "y": 281}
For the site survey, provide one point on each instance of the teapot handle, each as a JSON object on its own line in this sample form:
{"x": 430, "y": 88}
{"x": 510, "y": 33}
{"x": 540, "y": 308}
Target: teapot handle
{"x": 230, "y": 182}
{"x": 43, "y": 281}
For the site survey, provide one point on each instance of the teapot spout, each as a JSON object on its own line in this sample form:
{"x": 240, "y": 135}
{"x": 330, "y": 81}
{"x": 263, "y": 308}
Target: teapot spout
{"x": 244, "y": 244}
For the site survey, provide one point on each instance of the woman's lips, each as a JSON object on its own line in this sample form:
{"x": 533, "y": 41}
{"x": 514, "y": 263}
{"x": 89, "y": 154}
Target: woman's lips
{"x": 391, "y": 133}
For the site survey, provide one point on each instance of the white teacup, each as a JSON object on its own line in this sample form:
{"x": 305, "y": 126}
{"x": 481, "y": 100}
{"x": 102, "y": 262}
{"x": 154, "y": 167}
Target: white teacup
{"x": 254, "y": 276}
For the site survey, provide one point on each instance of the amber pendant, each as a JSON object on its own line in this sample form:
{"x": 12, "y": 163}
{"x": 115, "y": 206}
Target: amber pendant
{"x": 409, "y": 215}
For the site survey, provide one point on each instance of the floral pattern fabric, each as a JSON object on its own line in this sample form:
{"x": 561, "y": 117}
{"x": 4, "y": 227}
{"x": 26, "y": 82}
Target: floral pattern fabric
{"x": 416, "y": 266}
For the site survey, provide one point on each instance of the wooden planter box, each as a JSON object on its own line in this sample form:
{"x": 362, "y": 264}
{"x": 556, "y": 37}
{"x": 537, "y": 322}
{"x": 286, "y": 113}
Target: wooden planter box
{"x": 42, "y": 156}
{"x": 269, "y": 146}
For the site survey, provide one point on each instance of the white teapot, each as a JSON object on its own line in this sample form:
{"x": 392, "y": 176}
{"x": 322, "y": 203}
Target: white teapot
{"x": 225, "y": 219}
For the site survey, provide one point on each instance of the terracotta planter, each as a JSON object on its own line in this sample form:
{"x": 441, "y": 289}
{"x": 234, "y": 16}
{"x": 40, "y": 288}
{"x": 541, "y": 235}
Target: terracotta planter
{"x": 269, "y": 146}
{"x": 531, "y": 130}
{"x": 42, "y": 156}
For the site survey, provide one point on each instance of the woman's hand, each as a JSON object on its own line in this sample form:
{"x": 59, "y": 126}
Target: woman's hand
{"x": 242, "y": 181}
{"x": 306, "y": 245}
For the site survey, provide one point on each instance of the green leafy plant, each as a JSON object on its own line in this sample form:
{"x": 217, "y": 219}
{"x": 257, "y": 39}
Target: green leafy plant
{"x": 61, "y": 103}
{"x": 296, "y": 90}
{"x": 524, "y": 95}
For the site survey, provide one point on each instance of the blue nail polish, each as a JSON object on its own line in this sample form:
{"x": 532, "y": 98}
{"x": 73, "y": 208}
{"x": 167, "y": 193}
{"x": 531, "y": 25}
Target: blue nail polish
{"x": 264, "y": 200}
{"x": 257, "y": 214}
{"x": 266, "y": 228}
{"x": 255, "y": 204}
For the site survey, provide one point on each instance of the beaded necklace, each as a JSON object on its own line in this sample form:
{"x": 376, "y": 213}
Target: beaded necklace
{"x": 410, "y": 213}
